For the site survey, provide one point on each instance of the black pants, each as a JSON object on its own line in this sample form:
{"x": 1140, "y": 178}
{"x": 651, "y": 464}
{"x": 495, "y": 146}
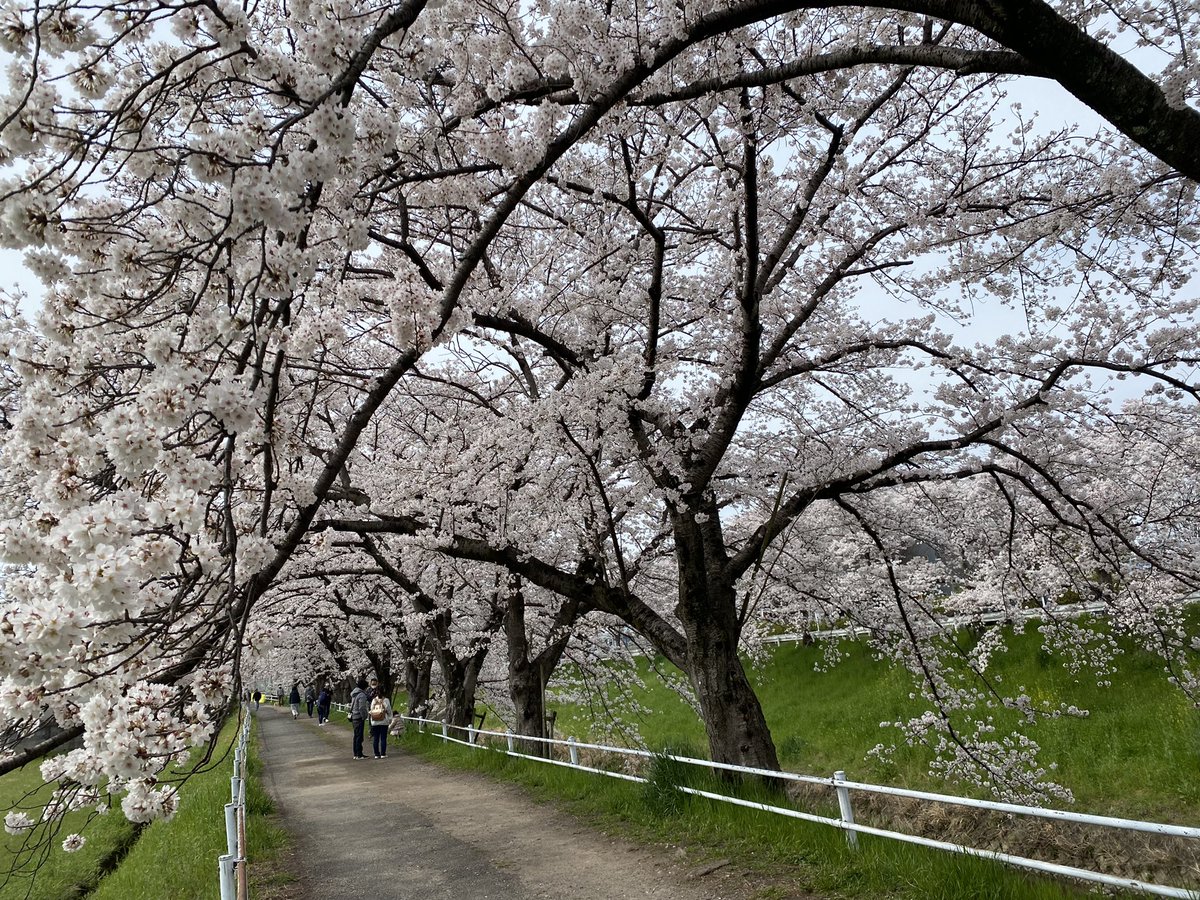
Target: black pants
{"x": 379, "y": 739}
{"x": 358, "y": 736}
{"x": 310, "y": 706}
{"x": 322, "y": 713}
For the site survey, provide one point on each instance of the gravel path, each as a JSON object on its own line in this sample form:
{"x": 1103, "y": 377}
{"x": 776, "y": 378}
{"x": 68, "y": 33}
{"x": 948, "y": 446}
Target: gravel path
{"x": 402, "y": 828}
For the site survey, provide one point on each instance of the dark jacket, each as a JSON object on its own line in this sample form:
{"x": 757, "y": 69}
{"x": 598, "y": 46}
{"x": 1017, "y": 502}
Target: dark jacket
{"x": 294, "y": 696}
{"x": 360, "y": 704}
{"x": 323, "y": 699}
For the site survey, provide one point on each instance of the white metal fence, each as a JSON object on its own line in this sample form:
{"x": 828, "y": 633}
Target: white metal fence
{"x": 993, "y": 617}
{"x": 842, "y": 789}
{"x": 1050, "y": 611}
{"x": 233, "y": 863}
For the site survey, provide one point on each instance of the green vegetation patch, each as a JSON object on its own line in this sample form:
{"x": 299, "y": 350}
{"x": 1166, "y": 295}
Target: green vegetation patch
{"x": 59, "y": 875}
{"x": 178, "y": 858}
{"x": 1135, "y": 754}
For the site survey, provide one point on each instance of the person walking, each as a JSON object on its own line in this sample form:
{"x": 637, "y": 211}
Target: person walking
{"x": 381, "y": 717}
{"x": 324, "y": 700}
{"x": 257, "y": 699}
{"x": 360, "y": 707}
{"x": 294, "y": 700}
{"x": 310, "y": 697}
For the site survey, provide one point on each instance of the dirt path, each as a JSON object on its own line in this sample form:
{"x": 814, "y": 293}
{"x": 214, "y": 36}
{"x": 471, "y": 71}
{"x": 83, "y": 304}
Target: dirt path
{"x": 402, "y": 828}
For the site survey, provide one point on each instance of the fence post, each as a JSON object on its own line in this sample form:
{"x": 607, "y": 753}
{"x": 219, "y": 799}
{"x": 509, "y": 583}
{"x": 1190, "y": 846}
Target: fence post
{"x": 231, "y": 828}
{"x": 471, "y": 734}
{"x": 508, "y": 735}
{"x": 847, "y": 811}
{"x": 445, "y": 729}
{"x": 227, "y": 862}
{"x": 235, "y": 788}
{"x": 573, "y": 750}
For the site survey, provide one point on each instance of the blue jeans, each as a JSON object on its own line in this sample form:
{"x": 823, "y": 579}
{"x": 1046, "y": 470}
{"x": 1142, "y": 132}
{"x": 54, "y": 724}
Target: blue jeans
{"x": 379, "y": 739}
{"x": 358, "y": 736}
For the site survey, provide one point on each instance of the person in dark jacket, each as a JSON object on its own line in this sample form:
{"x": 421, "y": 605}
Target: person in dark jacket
{"x": 294, "y": 700}
{"x": 310, "y": 698}
{"x": 360, "y": 705}
{"x": 324, "y": 700}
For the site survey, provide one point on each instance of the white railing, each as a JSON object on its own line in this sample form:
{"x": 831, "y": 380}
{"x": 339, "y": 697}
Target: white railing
{"x": 842, "y": 789}
{"x": 1063, "y": 611}
{"x": 991, "y": 617}
{"x": 233, "y": 863}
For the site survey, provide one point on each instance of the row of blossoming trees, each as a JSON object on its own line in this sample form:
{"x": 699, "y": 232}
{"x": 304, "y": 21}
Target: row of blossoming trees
{"x": 387, "y": 328}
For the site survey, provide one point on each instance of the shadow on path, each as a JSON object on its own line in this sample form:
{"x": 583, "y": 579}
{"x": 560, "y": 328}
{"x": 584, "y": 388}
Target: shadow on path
{"x": 402, "y": 828}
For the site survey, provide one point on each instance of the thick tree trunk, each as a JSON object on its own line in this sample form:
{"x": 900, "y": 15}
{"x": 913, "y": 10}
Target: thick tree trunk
{"x": 527, "y": 678}
{"x": 459, "y": 677}
{"x": 417, "y": 677}
{"x": 381, "y": 665}
{"x": 526, "y": 690}
{"x": 733, "y": 718}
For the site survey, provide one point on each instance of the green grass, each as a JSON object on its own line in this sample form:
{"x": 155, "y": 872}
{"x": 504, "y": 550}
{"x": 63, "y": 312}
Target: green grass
{"x": 786, "y": 855}
{"x": 177, "y": 859}
{"x": 1135, "y": 754}
{"x": 59, "y": 875}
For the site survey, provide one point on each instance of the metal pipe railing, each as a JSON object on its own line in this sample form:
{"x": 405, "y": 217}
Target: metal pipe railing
{"x": 232, "y": 865}
{"x": 843, "y": 789}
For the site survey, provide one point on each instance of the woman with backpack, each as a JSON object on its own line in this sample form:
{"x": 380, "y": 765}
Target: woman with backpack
{"x": 381, "y": 718}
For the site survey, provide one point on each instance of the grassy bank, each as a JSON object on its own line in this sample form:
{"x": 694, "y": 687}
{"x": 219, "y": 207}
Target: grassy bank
{"x": 178, "y": 859}
{"x": 59, "y": 875}
{"x": 175, "y": 859}
{"x": 1135, "y": 754}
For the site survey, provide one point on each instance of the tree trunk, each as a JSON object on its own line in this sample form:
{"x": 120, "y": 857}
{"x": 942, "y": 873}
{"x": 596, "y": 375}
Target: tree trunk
{"x": 381, "y": 665}
{"x": 733, "y": 718}
{"x": 417, "y": 676}
{"x": 460, "y": 676}
{"x": 527, "y": 678}
{"x": 526, "y": 690}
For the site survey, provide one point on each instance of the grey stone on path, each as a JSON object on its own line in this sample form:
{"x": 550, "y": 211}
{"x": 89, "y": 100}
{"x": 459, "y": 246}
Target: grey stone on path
{"x": 400, "y": 827}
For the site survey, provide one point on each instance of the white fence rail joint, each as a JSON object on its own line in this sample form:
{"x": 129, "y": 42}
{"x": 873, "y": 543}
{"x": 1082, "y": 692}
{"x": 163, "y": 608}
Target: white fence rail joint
{"x": 842, "y": 788}
{"x": 232, "y": 865}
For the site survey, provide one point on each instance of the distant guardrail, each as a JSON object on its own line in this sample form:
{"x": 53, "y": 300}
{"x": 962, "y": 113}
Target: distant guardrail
{"x": 1065, "y": 611}
{"x": 990, "y": 617}
{"x": 842, "y": 789}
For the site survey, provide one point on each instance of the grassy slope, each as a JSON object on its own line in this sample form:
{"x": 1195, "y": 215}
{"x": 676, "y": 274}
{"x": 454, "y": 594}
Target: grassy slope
{"x": 59, "y": 875}
{"x": 1136, "y": 754}
{"x": 178, "y": 859}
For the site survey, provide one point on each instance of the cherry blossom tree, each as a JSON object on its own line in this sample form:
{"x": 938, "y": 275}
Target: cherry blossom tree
{"x": 700, "y": 305}
{"x": 253, "y": 222}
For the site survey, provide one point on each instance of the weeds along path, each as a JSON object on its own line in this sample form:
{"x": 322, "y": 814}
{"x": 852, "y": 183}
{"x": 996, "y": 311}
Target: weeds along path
{"x": 402, "y": 828}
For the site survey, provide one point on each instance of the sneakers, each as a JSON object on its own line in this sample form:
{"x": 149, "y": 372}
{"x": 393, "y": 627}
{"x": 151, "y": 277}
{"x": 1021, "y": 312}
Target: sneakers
{"x": 377, "y": 756}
